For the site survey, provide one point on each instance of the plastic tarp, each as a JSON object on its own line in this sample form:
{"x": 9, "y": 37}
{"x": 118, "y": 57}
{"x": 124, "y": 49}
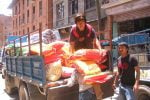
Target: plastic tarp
{"x": 48, "y": 36}
{"x": 16, "y": 39}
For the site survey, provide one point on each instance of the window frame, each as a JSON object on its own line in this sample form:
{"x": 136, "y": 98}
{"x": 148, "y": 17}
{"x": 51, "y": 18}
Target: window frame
{"x": 60, "y": 14}
{"x": 73, "y": 7}
{"x": 89, "y": 4}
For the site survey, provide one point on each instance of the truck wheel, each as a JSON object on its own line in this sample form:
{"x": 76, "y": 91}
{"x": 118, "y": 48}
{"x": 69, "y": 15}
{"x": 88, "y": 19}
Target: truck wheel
{"x": 23, "y": 92}
{"x": 143, "y": 93}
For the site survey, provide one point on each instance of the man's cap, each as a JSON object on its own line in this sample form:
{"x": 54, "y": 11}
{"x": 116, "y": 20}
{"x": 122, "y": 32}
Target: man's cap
{"x": 123, "y": 44}
{"x": 80, "y": 17}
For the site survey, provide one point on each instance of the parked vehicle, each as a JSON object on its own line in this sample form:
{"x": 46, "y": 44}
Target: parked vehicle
{"x": 27, "y": 74}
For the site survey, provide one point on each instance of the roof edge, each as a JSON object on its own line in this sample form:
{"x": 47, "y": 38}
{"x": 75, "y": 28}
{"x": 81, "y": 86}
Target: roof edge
{"x": 12, "y": 4}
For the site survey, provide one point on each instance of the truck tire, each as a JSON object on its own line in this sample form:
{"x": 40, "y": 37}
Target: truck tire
{"x": 23, "y": 92}
{"x": 143, "y": 93}
{"x": 34, "y": 93}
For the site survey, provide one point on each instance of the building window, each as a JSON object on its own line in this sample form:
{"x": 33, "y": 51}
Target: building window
{"x": 33, "y": 9}
{"x": 33, "y": 13}
{"x": 16, "y": 22}
{"x": 28, "y": 14}
{"x": 23, "y": 19}
{"x": 13, "y": 23}
{"x": 73, "y": 7}
{"x": 33, "y": 28}
{"x": 16, "y": 10}
{"x": 89, "y": 4}
{"x": 23, "y": 31}
{"x": 23, "y": 3}
{"x": 19, "y": 8}
{"x": 18, "y": 33}
{"x": 19, "y": 20}
{"x": 60, "y": 10}
{"x": 40, "y": 8}
{"x": 40, "y": 25}
{"x": 27, "y": 2}
{"x": 13, "y": 11}
{"x": 28, "y": 30}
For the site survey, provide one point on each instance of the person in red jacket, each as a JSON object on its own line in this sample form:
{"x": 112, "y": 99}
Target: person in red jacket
{"x": 83, "y": 36}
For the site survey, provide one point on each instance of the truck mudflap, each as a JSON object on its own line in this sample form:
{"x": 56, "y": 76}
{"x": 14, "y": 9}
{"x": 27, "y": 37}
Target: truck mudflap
{"x": 63, "y": 92}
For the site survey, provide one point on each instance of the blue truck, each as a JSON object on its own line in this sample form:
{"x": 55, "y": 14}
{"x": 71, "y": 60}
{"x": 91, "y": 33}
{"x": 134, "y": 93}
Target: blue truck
{"x": 26, "y": 74}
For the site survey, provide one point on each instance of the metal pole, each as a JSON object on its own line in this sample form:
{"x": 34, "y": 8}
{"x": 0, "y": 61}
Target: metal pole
{"x": 20, "y": 46}
{"x": 40, "y": 37}
{"x": 29, "y": 44}
{"x": 98, "y": 8}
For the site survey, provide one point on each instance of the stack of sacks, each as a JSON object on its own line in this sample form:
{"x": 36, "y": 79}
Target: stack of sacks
{"x": 53, "y": 55}
{"x": 57, "y": 52}
{"x": 90, "y": 63}
{"x": 96, "y": 56}
{"x": 60, "y": 48}
{"x": 51, "y": 52}
{"x": 57, "y": 55}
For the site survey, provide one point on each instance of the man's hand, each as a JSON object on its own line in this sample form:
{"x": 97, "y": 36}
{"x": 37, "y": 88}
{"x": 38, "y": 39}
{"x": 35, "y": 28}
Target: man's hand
{"x": 81, "y": 39}
{"x": 114, "y": 86}
{"x": 135, "y": 87}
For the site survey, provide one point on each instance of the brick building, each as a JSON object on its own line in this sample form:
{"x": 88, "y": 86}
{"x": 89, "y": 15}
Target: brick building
{"x": 5, "y": 28}
{"x": 55, "y": 14}
{"x": 28, "y": 14}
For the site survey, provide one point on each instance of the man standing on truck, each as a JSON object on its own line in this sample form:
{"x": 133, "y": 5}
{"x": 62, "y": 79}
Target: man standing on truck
{"x": 127, "y": 66}
{"x": 82, "y": 36}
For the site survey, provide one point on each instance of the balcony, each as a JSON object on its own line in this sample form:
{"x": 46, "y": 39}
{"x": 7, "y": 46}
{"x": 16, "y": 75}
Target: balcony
{"x": 111, "y": 3}
{"x": 114, "y": 7}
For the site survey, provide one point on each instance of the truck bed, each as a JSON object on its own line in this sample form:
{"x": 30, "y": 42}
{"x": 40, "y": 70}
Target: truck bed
{"x": 28, "y": 68}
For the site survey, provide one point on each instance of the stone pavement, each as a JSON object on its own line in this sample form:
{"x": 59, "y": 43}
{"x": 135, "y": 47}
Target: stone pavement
{"x": 3, "y": 94}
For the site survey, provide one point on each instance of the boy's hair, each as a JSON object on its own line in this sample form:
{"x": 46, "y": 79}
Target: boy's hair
{"x": 123, "y": 44}
{"x": 79, "y": 17}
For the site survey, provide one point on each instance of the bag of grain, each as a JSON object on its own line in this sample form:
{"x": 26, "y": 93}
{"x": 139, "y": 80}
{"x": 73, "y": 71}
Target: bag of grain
{"x": 87, "y": 67}
{"x": 53, "y": 71}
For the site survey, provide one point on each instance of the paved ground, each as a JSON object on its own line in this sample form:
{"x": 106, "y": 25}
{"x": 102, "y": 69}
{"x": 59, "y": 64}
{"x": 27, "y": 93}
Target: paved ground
{"x": 115, "y": 97}
{"x": 3, "y": 94}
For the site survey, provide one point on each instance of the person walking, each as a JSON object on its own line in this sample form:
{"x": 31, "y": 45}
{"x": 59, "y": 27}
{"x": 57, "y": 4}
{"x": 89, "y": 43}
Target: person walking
{"x": 127, "y": 66}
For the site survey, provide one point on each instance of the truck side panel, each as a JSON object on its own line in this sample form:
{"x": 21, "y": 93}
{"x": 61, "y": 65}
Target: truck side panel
{"x": 27, "y": 68}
